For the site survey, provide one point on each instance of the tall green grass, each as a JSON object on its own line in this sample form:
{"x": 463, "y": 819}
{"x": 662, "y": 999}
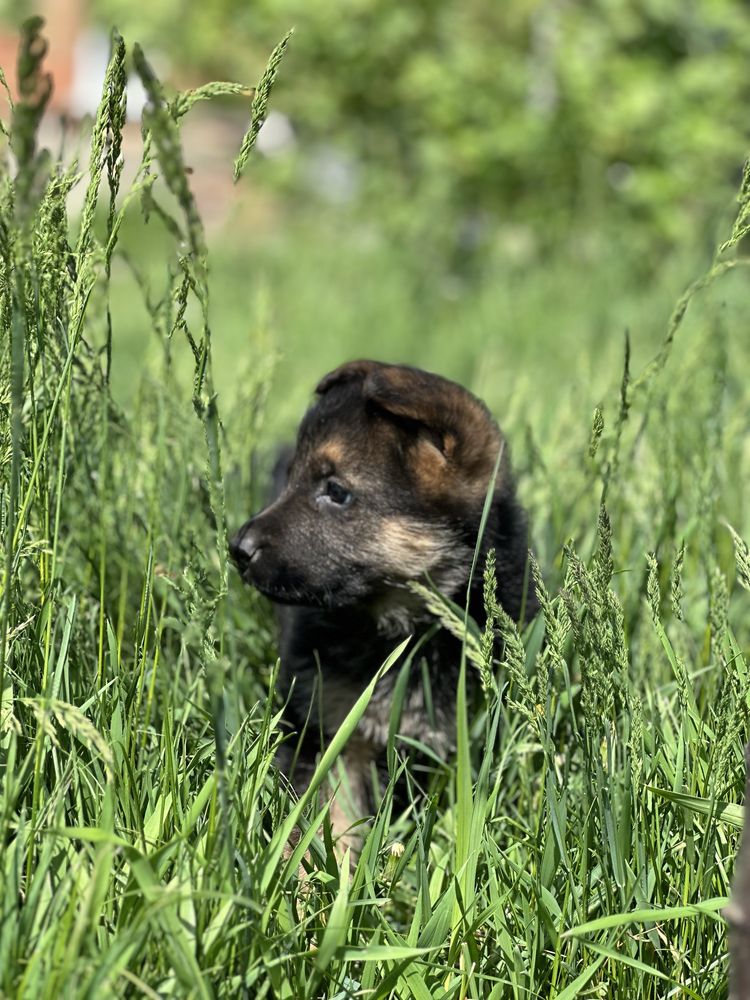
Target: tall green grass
{"x": 581, "y": 844}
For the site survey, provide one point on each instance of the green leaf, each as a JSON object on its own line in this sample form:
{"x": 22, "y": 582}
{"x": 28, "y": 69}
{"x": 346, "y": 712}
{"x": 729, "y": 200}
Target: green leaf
{"x": 655, "y": 915}
{"x": 725, "y": 812}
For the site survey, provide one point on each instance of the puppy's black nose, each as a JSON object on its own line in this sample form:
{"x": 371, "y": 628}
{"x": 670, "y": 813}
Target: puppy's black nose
{"x": 245, "y": 547}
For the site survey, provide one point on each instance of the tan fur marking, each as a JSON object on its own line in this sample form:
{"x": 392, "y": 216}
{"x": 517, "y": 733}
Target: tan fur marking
{"x": 430, "y": 466}
{"x": 439, "y": 473}
{"x": 333, "y": 451}
{"x": 406, "y": 548}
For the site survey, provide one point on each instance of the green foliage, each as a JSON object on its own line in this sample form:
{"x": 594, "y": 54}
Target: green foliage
{"x": 581, "y": 843}
{"x": 464, "y": 121}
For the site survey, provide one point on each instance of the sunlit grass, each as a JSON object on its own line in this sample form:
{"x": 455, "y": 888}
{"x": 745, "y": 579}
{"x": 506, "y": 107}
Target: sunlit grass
{"x": 581, "y": 843}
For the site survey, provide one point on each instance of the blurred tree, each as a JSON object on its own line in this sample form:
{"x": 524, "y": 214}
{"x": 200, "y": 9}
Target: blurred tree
{"x": 461, "y": 115}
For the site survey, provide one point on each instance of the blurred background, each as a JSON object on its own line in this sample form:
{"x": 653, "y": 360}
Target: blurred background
{"x": 493, "y": 190}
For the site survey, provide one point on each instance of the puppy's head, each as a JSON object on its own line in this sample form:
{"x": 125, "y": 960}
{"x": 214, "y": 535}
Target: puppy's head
{"x": 387, "y": 485}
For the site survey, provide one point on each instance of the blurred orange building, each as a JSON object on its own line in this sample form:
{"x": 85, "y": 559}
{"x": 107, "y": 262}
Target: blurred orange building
{"x": 77, "y": 57}
{"x": 65, "y": 24}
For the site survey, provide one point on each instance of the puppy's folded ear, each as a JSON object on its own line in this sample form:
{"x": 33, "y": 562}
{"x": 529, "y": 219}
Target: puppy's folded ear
{"x": 456, "y": 436}
{"x": 454, "y": 441}
{"x": 349, "y": 372}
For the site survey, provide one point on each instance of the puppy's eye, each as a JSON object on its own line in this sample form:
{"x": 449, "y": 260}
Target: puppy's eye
{"x": 337, "y": 493}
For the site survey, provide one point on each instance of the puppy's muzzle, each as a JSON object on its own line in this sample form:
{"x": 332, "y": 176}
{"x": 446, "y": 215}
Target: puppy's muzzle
{"x": 246, "y": 546}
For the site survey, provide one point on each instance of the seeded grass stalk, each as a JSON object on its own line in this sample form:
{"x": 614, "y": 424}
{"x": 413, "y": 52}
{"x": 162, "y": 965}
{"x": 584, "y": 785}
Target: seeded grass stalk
{"x": 583, "y": 842}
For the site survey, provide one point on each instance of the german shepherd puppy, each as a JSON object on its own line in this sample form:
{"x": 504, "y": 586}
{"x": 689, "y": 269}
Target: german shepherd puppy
{"x": 386, "y": 485}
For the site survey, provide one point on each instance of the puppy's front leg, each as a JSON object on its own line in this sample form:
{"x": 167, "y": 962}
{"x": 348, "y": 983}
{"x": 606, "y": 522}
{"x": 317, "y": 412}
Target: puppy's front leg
{"x": 347, "y": 787}
{"x": 351, "y": 802}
